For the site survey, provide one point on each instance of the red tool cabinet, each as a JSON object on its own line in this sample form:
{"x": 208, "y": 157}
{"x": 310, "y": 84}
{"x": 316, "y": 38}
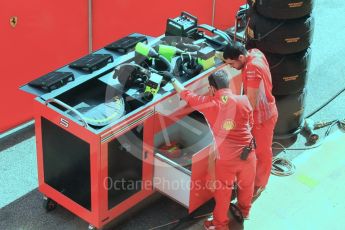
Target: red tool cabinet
{"x": 78, "y": 169}
{"x": 98, "y": 173}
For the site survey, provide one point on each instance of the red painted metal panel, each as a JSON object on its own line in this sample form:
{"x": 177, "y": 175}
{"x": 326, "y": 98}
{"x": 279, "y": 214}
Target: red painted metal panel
{"x": 96, "y": 182}
{"x": 199, "y": 194}
{"x": 103, "y": 205}
{"x": 115, "y": 19}
{"x": 48, "y": 35}
{"x": 147, "y": 173}
{"x": 69, "y": 204}
{"x": 92, "y": 216}
{"x": 148, "y": 153}
{"x": 225, "y": 12}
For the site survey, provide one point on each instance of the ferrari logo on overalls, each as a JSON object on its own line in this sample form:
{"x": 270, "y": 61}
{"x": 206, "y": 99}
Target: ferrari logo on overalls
{"x": 228, "y": 125}
{"x": 13, "y": 21}
{"x": 224, "y": 99}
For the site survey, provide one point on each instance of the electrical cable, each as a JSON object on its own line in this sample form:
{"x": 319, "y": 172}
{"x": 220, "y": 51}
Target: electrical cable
{"x": 281, "y": 166}
{"x": 182, "y": 220}
{"x": 326, "y": 103}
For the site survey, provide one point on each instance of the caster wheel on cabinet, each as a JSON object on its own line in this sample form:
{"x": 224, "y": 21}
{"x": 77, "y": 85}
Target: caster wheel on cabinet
{"x": 49, "y": 204}
{"x": 91, "y": 227}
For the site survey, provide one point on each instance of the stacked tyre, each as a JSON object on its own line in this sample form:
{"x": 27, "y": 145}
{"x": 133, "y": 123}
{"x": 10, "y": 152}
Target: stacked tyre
{"x": 282, "y": 30}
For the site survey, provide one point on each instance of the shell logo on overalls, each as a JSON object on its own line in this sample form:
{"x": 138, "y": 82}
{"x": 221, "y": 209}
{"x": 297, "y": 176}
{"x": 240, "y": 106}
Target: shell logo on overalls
{"x": 228, "y": 125}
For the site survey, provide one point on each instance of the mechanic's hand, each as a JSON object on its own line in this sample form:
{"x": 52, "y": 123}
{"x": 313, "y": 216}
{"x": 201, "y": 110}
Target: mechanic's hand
{"x": 219, "y": 55}
{"x": 167, "y": 76}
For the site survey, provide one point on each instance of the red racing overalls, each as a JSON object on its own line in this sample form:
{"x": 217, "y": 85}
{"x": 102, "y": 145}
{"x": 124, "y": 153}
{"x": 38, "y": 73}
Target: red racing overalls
{"x": 230, "y": 118}
{"x": 256, "y": 75}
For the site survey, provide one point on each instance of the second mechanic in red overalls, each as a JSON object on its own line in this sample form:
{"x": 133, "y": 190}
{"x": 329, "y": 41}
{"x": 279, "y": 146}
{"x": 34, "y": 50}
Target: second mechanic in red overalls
{"x": 230, "y": 118}
{"x": 257, "y": 85}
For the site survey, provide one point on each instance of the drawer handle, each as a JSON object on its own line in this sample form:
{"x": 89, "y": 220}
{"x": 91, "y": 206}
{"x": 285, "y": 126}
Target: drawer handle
{"x": 53, "y": 100}
{"x": 172, "y": 163}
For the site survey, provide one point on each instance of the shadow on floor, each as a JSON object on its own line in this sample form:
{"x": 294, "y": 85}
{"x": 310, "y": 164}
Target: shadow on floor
{"x": 28, "y": 213}
{"x": 17, "y": 137}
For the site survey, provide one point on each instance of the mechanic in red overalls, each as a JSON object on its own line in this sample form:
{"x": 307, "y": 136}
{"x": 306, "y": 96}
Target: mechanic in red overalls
{"x": 257, "y": 85}
{"x": 230, "y": 118}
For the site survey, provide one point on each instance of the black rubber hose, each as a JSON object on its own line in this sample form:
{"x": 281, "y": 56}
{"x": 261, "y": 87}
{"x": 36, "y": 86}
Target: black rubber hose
{"x": 326, "y": 103}
{"x": 162, "y": 58}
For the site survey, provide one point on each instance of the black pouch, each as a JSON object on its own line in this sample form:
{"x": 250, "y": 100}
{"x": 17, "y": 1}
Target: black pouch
{"x": 245, "y": 153}
{"x": 247, "y": 149}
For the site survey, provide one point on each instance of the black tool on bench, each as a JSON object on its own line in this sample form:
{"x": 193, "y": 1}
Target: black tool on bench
{"x": 92, "y": 62}
{"x": 185, "y": 25}
{"x": 126, "y": 44}
{"x": 52, "y": 80}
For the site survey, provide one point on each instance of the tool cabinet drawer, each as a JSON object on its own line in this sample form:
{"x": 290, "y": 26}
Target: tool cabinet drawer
{"x": 187, "y": 187}
{"x": 172, "y": 179}
{"x": 182, "y": 176}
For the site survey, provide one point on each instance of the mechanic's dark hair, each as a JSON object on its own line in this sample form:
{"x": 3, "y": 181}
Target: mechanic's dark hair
{"x": 234, "y": 50}
{"x": 219, "y": 80}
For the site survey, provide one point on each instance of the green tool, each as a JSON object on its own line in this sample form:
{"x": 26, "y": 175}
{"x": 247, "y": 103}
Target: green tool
{"x": 146, "y": 50}
{"x": 152, "y": 86}
{"x": 168, "y": 51}
{"x": 206, "y": 57}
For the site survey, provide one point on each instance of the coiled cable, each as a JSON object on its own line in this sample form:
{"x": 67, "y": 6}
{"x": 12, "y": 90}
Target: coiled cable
{"x": 281, "y": 166}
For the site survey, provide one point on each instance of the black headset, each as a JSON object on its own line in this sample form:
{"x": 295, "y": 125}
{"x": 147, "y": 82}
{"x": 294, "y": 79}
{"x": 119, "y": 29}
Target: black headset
{"x": 186, "y": 65}
{"x": 131, "y": 76}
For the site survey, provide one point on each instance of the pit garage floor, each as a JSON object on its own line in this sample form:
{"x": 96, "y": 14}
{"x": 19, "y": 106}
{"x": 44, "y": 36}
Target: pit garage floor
{"x": 312, "y": 198}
